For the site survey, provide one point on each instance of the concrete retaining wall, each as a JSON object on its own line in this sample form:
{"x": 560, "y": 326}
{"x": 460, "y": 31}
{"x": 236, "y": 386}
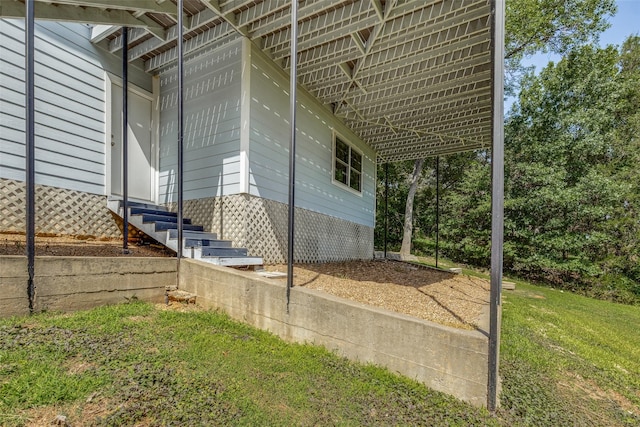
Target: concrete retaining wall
{"x": 76, "y": 283}
{"x": 450, "y": 360}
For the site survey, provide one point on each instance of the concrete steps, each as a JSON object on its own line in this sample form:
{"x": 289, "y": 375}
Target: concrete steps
{"x": 162, "y": 226}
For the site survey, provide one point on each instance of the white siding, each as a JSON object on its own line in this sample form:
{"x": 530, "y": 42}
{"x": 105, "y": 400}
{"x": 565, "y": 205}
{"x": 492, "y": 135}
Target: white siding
{"x": 69, "y": 100}
{"x": 269, "y": 150}
{"x": 211, "y": 129}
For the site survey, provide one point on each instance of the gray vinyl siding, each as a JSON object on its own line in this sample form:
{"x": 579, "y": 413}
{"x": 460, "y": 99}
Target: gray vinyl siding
{"x": 269, "y": 150}
{"x": 69, "y": 100}
{"x": 211, "y": 130}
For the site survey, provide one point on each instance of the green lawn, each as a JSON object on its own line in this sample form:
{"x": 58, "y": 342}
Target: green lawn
{"x": 568, "y": 359}
{"x": 565, "y": 360}
{"x": 140, "y": 365}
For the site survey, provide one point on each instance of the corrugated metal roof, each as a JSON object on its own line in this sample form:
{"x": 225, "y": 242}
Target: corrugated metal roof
{"x": 411, "y": 77}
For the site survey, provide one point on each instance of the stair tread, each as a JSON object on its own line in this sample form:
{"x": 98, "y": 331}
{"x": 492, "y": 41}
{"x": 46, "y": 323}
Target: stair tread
{"x": 139, "y": 211}
{"x": 163, "y": 218}
{"x": 163, "y": 225}
{"x": 231, "y": 256}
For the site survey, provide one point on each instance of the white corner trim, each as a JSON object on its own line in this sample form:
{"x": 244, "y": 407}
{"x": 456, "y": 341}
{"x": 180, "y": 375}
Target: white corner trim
{"x": 101, "y": 32}
{"x": 245, "y": 116}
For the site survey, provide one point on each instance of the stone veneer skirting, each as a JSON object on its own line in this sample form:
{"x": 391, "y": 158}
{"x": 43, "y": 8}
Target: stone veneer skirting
{"x": 58, "y": 211}
{"x": 260, "y": 225}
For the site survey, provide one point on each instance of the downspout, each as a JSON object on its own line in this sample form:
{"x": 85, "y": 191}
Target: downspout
{"x": 497, "y": 197}
{"x": 30, "y": 149}
{"x": 292, "y": 146}
{"x": 125, "y": 139}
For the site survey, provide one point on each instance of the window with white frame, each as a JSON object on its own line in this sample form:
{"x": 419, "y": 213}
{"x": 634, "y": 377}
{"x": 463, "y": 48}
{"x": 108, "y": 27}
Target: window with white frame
{"x": 347, "y": 164}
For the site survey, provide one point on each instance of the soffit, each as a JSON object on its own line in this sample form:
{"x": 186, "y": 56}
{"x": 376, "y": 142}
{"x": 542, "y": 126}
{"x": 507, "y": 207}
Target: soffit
{"x": 412, "y": 78}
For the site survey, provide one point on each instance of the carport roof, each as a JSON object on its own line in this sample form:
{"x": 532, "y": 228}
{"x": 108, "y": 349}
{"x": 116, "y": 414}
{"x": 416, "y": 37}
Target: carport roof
{"x": 412, "y": 78}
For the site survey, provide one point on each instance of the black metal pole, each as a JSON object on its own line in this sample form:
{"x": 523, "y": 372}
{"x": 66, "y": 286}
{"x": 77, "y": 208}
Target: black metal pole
{"x": 30, "y": 170}
{"x": 437, "y": 208}
{"x": 180, "y": 126}
{"x": 125, "y": 139}
{"x": 386, "y": 206}
{"x": 497, "y": 197}
{"x": 292, "y": 145}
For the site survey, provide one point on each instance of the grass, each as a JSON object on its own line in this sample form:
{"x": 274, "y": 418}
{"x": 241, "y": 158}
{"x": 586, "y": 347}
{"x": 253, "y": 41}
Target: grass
{"x": 568, "y": 359}
{"x": 565, "y": 360}
{"x": 134, "y": 364}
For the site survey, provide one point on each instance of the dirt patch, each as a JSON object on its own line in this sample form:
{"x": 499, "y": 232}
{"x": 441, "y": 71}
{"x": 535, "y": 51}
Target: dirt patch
{"x": 47, "y": 245}
{"x": 180, "y": 307}
{"x": 78, "y": 366}
{"x": 77, "y": 414}
{"x": 450, "y": 299}
{"x": 573, "y": 384}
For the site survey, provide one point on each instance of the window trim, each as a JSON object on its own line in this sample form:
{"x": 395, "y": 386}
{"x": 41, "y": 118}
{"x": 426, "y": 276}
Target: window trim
{"x": 352, "y": 147}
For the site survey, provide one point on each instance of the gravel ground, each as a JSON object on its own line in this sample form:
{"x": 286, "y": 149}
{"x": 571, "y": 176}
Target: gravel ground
{"x": 15, "y": 244}
{"x": 450, "y": 299}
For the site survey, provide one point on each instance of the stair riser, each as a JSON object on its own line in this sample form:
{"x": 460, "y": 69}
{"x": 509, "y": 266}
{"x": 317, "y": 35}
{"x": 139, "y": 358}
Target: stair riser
{"x": 233, "y": 261}
{"x": 198, "y": 235}
{"x": 221, "y": 252}
{"x": 189, "y": 243}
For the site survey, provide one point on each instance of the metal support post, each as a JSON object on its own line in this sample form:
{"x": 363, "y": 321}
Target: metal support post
{"x": 30, "y": 174}
{"x": 125, "y": 139}
{"x": 386, "y": 207}
{"x": 437, "y": 208}
{"x": 292, "y": 146}
{"x": 497, "y": 198}
{"x": 180, "y": 126}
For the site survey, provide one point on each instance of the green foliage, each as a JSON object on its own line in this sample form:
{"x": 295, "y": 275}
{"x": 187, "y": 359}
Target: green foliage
{"x": 452, "y": 169}
{"x": 398, "y": 189}
{"x": 572, "y": 183}
{"x": 568, "y": 195}
{"x": 534, "y": 26}
{"x": 568, "y": 360}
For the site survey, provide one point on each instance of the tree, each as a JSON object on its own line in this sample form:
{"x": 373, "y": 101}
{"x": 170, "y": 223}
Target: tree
{"x": 405, "y": 250}
{"x": 535, "y": 26}
{"x": 544, "y": 26}
{"x": 572, "y": 193}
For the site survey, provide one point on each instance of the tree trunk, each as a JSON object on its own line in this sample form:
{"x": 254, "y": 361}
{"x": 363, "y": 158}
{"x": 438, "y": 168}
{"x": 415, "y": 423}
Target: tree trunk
{"x": 405, "y": 251}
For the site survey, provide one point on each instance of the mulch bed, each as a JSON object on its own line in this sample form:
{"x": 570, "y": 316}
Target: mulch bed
{"x": 450, "y": 299}
{"x": 15, "y": 244}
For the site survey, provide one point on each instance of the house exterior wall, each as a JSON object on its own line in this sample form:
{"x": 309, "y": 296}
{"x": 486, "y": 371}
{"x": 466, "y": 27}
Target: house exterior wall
{"x": 70, "y": 121}
{"x": 236, "y": 138}
{"x": 70, "y": 105}
{"x": 211, "y": 129}
{"x": 237, "y": 161}
{"x": 269, "y": 150}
